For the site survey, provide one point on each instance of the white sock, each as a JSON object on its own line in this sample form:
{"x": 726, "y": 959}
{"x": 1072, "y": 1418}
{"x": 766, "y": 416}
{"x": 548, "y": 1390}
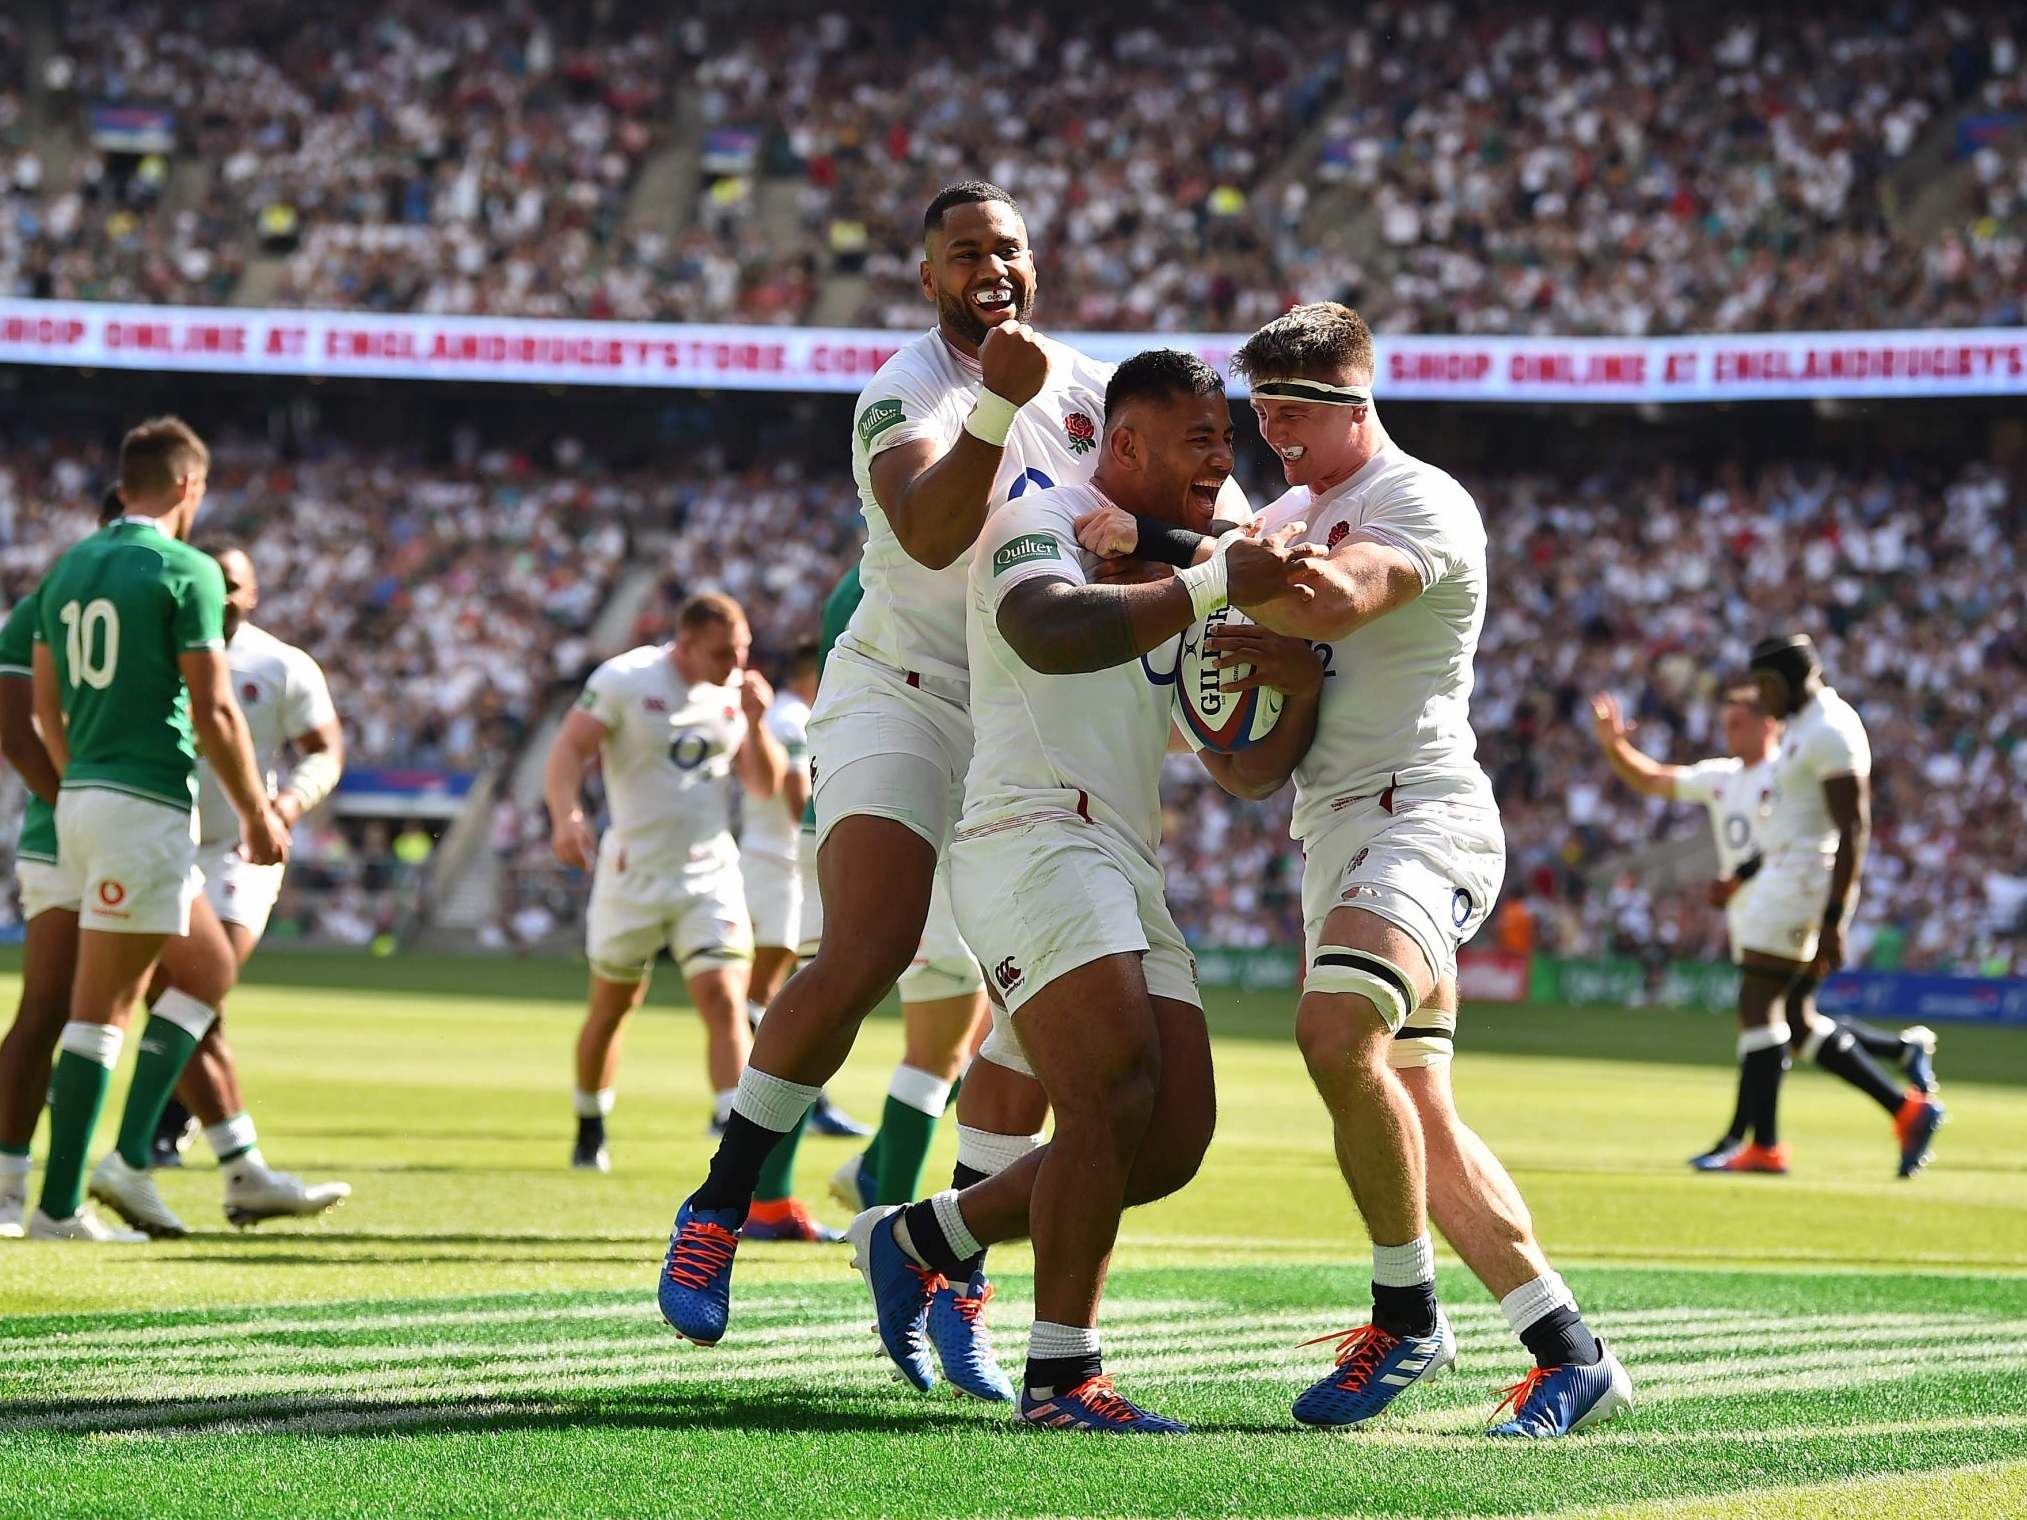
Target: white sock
{"x": 185, "y": 1012}
{"x": 987, "y": 1151}
{"x": 1407, "y": 1266}
{"x": 721, "y": 1104}
{"x": 951, "y": 1219}
{"x": 1762, "y": 1037}
{"x": 1531, "y": 1300}
{"x": 1047, "y": 1341}
{"x": 770, "y": 1102}
{"x": 12, "y": 1166}
{"x": 592, "y": 1105}
{"x": 923, "y": 1091}
{"x": 235, "y": 1138}
{"x": 95, "y": 1042}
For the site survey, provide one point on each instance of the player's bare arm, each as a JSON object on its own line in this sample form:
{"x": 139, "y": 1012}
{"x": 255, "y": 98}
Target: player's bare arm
{"x": 761, "y": 762}
{"x": 19, "y": 741}
{"x": 1615, "y": 737}
{"x": 1292, "y": 668}
{"x": 49, "y": 710}
{"x": 576, "y": 746}
{"x": 1356, "y": 582}
{"x": 935, "y": 498}
{"x": 227, "y": 745}
{"x": 320, "y": 760}
{"x": 1849, "y": 799}
{"x": 1060, "y": 628}
{"x": 1112, "y": 532}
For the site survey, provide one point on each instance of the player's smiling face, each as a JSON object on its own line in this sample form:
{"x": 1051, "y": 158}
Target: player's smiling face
{"x": 1183, "y": 449}
{"x": 1310, "y": 439}
{"x": 979, "y": 271}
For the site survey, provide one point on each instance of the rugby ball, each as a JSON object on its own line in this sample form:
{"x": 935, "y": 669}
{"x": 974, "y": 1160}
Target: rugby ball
{"x": 1210, "y": 717}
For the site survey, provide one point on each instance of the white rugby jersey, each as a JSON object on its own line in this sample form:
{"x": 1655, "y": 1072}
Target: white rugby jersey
{"x": 768, "y": 827}
{"x": 1396, "y": 698}
{"x": 1736, "y": 795}
{"x": 282, "y": 691}
{"x": 667, "y": 757}
{"x": 1042, "y": 739}
{"x": 912, "y": 617}
{"x": 1825, "y": 739}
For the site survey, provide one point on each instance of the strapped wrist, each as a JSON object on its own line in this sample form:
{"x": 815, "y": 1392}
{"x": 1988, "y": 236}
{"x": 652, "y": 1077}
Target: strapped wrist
{"x": 1207, "y": 583}
{"x": 992, "y": 418}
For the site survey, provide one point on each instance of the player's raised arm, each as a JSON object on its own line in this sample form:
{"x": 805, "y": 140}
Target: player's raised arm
{"x": 935, "y": 496}
{"x": 570, "y": 756}
{"x": 1615, "y": 737}
{"x": 1292, "y": 668}
{"x": 761, "y": 761}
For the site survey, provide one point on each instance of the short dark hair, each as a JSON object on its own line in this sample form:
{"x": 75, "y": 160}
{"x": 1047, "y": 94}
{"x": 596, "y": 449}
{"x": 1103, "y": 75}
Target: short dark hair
{"x": 1743, "y": 696}
{"x": 805, "y": 656}
{"x": 1319, "y": 341}
{"x": 708, "y": 607}
{"x": 158, "y": 453}
{"x": 966, "y": 192}
{"x": 1159, "y": 374}
{"x": 111, "y": 508}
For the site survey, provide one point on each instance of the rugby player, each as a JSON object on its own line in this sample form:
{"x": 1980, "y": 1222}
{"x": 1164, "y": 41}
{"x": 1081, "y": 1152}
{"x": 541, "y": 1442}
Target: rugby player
{"x": 975, "y": 412}
{"x": 1793, "y": 910}
{"x": 1736, "y": 789}
{"x": 1403, "y": 854}
{"x": 287, "y": 702}
{"x": 1058, "y": 884}
{"x": 669, "y": 723}
{"x": 129, "y": 660}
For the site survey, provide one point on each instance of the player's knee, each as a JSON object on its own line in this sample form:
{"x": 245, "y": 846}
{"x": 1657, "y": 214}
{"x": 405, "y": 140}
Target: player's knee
{"x": 868, "y": 962}
{"x": 1170, "y": 1159}
{"x": 1114, "y": 1103}
{"x": 1340, "y": 1035}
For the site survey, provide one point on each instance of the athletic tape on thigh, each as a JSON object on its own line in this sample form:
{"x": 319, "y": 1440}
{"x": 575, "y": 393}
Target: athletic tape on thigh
{"x": 1340, "y": 968}
{"x": 1820, "y": 1029}
{"x": 1765, "y": 1037}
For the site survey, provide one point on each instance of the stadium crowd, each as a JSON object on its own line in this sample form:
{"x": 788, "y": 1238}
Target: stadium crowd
{"x": 1483, "y": 169}
{"x": 452, "y": 602}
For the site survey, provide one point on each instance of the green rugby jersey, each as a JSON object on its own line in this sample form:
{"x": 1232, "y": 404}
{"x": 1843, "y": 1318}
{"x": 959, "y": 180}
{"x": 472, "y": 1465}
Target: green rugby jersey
{"x": 17, "y": 658}
{"x": 838, "y": 608}
{"x": 117, "y": 611}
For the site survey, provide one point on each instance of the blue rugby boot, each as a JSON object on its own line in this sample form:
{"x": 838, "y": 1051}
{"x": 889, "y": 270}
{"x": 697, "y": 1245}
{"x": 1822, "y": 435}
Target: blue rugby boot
{"x": 1095, "y": 1405}
{"x": 901, "y": 1292}
{"x": 1373, "y": 1369}
{"x": 1559, "y": 1401}
{"x": 963, "y": 1343}
{"x": 695, "y": 1291}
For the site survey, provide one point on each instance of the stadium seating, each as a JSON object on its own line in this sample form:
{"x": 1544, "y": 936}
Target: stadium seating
{"x": 1446, "y": 167}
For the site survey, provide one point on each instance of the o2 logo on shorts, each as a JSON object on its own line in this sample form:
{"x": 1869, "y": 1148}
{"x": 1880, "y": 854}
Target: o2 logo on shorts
{"x": 1460, "y": 907}
{"x": 112, "y": 894}
{"x": 1738, "y": 830}
{"x": 689, "y": 751}
{"x": 1007, "y": 974}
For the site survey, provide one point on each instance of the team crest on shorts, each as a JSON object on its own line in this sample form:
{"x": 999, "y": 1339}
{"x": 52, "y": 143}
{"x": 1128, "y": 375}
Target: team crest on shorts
{"x": 1359, "y": 859}
{"x": 1081, "y": 432}
{"x": 1338, "y": 534}
{"x": 1007, "y": 974}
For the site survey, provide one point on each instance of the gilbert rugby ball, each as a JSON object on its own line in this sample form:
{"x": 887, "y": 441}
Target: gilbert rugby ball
{"x": 1211, "y": 717}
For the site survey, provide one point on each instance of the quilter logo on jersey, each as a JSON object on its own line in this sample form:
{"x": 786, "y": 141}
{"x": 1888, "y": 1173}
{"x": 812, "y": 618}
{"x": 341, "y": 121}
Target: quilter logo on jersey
{"x": 1007, "y": 974}
{"x": 1018, "y": 551}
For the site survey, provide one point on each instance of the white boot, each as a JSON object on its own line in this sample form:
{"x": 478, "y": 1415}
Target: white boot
{"x": 133, "y": 1196}
{"x": 253, "y": 1193}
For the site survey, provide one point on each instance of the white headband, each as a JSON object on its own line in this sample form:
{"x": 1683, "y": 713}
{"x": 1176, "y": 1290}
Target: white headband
{"x": 1314, "y": 390}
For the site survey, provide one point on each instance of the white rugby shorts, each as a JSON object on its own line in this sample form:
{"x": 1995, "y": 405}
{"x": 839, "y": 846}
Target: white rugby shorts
{"x": 883, "y": 748}
{"x": 239, "y": 891}
{"x": 1780, "y": 911}
{"x": 774, "y": 892}
{"x": 135, "y": 858}
{"x": 1041, "y": 893}
{"x": 1430, "y": 866}
{"x": 699, "y": 916}
{"x": 46, "y": 884}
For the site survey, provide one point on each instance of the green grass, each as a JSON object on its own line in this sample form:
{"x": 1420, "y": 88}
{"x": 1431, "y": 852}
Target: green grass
{"x": 475, "y": 1333}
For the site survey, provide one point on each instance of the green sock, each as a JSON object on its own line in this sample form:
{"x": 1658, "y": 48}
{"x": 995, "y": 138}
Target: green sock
{"x": 906, "y": 1134}
{"x": 77, "y": 1094}
{"x": 869, "y": 1158}
{"x": 166, "y": 1049}
{"x": 777, "y": 1172}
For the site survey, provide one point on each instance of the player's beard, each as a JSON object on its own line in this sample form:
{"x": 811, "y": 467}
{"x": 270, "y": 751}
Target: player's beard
{"x": 960, "y": 318}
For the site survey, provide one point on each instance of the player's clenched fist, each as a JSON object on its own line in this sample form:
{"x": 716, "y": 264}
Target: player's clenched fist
{"x": 1108, "y": 532}
{"x": 1260, "y": 569}
{"x": 755, "y": 696}
{"x": 1013, "y": 362}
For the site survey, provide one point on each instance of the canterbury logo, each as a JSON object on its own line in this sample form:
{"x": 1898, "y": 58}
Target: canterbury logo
{"x": 1007, "y": 974}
